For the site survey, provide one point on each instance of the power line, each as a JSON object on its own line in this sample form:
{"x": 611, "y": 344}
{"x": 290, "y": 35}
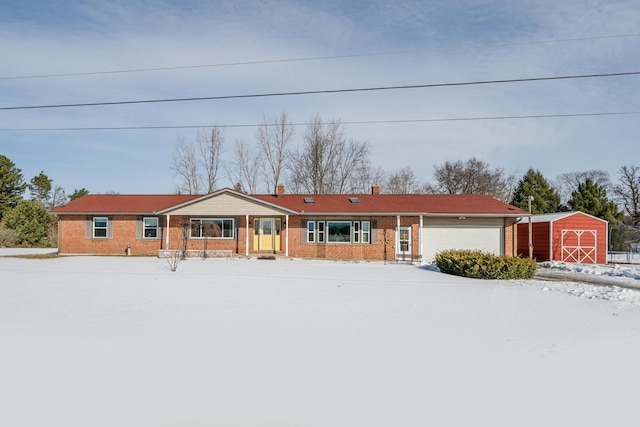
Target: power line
{"x": 314, "y": 58}
{"x": 366, "y": 122}
{"x": 317, "y": 92}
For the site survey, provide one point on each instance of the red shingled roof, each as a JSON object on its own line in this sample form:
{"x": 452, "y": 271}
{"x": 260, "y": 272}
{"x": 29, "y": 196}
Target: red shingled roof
{"x": 439, "y": 204}
{"x": 443, "y": 204}
{"x": 119, "y": 203}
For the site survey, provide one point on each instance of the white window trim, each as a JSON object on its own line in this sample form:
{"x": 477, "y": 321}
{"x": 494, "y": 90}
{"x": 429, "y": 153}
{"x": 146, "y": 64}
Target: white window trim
{"x": 144, "y": 228}
{"x": 311, "y": 232}
{"x": 321, "y": 233}
{"x": 211, "y": 220}
{"x": 105, "y": 228}
{"x": 364, "y": 233}
{"x": 350, "y": 242}
{"x": 318, "y": 232}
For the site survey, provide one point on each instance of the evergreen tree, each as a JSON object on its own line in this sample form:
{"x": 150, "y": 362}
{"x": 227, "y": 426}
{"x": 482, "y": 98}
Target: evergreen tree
{"x": 77, "y": 193}
{"x": 546, "y": 199}
{"x": 591, "y": 198}
{"x": 12, "y": 184}
{"x": 31, "y": 221}
{"x": 40, "y": 188}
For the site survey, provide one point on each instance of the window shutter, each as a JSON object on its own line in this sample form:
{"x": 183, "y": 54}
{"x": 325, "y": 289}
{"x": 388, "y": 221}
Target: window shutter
{"x": 110, "y": 227}
{"x": 139, "y": 227}
{"x": 303, "y": 231}
{"x": 236, "y": 223}
{"x": 373, "y": 234}
{"x": 161, "y": 228}
{"x": 89, "y": 228}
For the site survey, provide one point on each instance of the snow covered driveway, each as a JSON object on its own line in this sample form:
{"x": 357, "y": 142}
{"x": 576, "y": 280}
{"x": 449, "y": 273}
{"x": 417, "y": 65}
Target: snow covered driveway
{"x": 99, "y": 341}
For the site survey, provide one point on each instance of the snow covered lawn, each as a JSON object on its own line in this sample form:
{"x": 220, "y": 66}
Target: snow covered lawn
{"x": 100, "y": 341}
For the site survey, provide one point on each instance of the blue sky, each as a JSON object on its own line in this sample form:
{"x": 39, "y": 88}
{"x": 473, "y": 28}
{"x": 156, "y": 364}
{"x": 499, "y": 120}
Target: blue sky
{"x": 455, "y": 41}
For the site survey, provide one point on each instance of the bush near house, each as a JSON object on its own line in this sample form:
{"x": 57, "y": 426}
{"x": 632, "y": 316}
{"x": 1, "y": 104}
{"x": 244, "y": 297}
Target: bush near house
{"x": 482, "y": 265}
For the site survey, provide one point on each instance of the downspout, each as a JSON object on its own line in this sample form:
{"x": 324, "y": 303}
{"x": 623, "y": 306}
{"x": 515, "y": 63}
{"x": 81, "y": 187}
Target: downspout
{"x": 246, "y": 237}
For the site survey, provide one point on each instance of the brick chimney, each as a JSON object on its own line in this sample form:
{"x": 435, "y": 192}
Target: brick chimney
{"x": 375, "y": 189}
{"x": 280, "y": 190}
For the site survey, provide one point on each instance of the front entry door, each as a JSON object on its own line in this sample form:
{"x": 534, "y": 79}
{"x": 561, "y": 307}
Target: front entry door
{"x": 266, "y": 234}
{"x": 404, "y": 243}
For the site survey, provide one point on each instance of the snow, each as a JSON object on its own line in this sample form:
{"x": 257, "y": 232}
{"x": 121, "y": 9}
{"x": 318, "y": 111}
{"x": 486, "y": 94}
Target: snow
{"x": 106, "y": 341}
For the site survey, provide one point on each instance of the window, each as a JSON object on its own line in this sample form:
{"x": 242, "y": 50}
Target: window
{"x": 150, "y": 228}
{"x": 311, "y": 231}
{"x": 366, "y": 232}
{"x": 339, "y": 231}
{"x": 320, "y": 231}
{"x": 100, "y": 226}
{"x": 217, "y": 228}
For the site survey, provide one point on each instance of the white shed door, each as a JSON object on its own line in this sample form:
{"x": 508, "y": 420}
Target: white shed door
{"x": 439, "y": 234}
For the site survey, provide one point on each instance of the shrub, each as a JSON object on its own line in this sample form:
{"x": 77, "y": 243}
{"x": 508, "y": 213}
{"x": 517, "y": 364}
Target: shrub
{"x": 31, "y": 221}
{"x": 482, "y": 265}
{"x": 8, "y": 237}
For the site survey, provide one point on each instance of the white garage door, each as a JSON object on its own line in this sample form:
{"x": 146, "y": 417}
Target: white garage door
{"x": 439, "y": 234}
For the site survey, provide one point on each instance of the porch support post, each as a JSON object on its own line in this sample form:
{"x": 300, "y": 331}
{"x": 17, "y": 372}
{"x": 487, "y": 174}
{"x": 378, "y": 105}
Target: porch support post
{"x": 286, "y": 241}
{"x": 167, "y": 230}
{"x": 420, "y": 239}
{"x": 246, "y": 237}
{"x": 397, "y": 236}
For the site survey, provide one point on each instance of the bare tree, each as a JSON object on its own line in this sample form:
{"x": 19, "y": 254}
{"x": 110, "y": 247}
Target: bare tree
{"x": 245, "y": 169}
{"x": 402, "y": 181}
{"x": 198, "y": 162}
{"x": 350, "y": 165}
{"x": 210, "y": 146}
{"x": 327, "y": 163}
{"x": 185, "y": 166}
{"x": 569, "y": 182}
{"x": 474, "y": 176}
{"x": 273, "y": 137}
{"x": 58, "y": 197}
{"x": 368, "y": 176}
{"x": 628, "y": 192}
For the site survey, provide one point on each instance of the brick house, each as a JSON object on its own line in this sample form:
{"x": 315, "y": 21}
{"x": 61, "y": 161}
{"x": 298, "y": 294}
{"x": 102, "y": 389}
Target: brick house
{"x": 360, "y": 227}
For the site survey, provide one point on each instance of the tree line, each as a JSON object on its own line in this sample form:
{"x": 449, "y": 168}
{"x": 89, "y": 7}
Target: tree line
{"x": 323, "y": 160}
{"x": 27, "y": 222}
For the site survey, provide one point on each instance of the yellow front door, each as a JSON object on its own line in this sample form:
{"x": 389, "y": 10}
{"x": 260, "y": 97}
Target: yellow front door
{"x": 266, "y": 234}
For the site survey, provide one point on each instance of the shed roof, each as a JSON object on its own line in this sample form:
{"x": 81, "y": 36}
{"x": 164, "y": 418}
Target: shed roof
{"x": 551, "y": 217}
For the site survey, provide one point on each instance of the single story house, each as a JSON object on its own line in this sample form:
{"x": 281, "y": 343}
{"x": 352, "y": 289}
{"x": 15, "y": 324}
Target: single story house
{"x": 564, "y": 236}
{"x": 359, "y": 227}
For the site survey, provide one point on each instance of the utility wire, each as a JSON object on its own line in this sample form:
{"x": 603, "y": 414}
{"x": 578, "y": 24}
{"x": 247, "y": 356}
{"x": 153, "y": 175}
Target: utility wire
{"x": 367, "y": 122}
{"x": 315, "y": 58}
{"x": 316, "y": 92}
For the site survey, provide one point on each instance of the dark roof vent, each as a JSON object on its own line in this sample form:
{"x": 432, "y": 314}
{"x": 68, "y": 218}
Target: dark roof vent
{"x": 354, "y": 200}
{"x": 308, "y": 200}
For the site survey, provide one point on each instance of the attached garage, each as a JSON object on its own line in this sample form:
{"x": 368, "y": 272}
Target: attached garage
{"x": 461, "y": 232}
{"x": 565, "y": 236}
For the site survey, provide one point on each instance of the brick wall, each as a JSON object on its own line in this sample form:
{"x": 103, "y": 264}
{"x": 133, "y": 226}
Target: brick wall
{"x": 382, "y": 249}
{"x": 72, "y": 237}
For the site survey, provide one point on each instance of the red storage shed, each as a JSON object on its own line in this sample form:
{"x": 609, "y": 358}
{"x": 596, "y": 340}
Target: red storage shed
{"x": 564, "y": 236}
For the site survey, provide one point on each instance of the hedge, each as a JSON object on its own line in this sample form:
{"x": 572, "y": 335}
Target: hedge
{"x": 483, "y": 265}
